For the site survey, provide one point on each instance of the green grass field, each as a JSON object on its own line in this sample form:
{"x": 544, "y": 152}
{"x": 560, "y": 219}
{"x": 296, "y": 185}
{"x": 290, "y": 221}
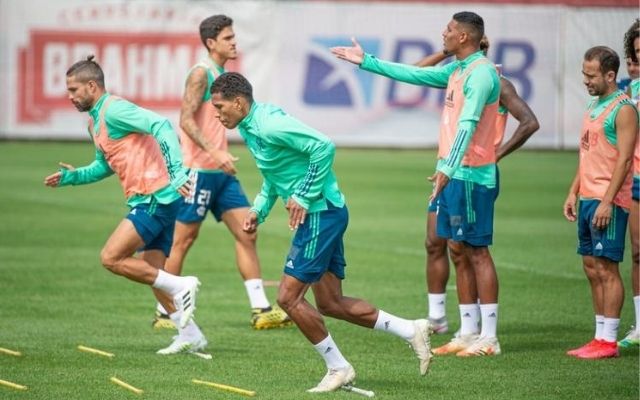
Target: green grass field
{"x": 55, "y": 295}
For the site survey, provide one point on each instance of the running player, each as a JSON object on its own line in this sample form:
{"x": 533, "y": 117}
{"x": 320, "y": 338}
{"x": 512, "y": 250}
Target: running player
{"x": 142, "y": 149}
{"x": 296, "y": 164}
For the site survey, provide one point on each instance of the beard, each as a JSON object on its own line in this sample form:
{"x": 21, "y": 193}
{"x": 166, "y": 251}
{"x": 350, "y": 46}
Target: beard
{"x": 83, "y": 105}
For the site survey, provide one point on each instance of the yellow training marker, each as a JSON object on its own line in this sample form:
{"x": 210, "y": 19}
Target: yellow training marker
{"x": 126, "y": 385}
{"x": 10, "y": 352}
{"x": 12, "y": 385}
{"x": 95, "y": 351}
{"x": 233, "y": 389}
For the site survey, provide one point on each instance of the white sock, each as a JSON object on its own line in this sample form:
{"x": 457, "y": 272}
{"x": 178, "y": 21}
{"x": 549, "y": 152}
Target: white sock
{"x": 610, "y": 330}
{"x": 169, "y": 283}
{"x": 437, "y": 303}
{"x": 469, "y": 314}
{"x": 599, "y": 326}
{"x": 331, "y": 354}
{"x": 190, "y": 331}
{"x": 489, "y": 318}
{"x": 255, "y": 291}
{"x": 161, "y": 309}
{"x": 392, "y": 324}
{"x": 636, "y": 305}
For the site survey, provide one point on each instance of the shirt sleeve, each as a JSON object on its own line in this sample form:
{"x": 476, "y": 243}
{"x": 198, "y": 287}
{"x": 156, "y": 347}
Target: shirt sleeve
{"x": 124, "y": 117}
{"x": 286, "y": 131}
{"x": 264, "y": 201}
{"x": 478, "y": 89}
{"x": 96, "y": 171}
{"x": 437, "y": 76}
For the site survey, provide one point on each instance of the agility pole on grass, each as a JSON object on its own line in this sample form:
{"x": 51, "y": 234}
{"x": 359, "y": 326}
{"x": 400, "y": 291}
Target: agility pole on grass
{"x": 10, "y": 352}
{"x": 95, "y": 351}
{"x": 126, "y": 385}
{"x": 12, "y": 385}
{"x": 353, "y": 389}
{"x": 228, "y": 388}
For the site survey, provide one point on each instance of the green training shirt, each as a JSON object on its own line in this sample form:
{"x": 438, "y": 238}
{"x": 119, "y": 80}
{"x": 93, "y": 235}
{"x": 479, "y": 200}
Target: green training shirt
{"x": 123, "y": 118}
{"x": 295, "y": 160}
{"x": 601, "y": 104}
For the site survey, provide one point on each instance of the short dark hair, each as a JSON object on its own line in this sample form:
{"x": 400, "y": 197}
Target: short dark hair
{"x": 608, "y": 58}
{"x": 473, "y": 22}
{"x": 632, "y": 34}
{"x": 231, "y": 85}
{"x": 87, "y": 70}
{"x": 211, "y": 27}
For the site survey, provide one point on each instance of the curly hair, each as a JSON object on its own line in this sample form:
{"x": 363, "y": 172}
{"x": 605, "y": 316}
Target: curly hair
{"x": 232, "y": 84}
{"x": 632, "y": 34}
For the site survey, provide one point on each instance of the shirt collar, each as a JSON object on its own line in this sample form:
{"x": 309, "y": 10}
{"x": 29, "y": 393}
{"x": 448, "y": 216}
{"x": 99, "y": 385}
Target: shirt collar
{"x": 608, "y": 97}
{"x": 470, "y": 58}
{"x": 95, "y": 110}
{"x": 246, "y": 121}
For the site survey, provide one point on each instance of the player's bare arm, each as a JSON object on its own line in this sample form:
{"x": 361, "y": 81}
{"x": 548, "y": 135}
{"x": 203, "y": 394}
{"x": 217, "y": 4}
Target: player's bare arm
{"x": 527, "y": 121}
{"x": 626, "y": 132}
{"x": 53, "y": 180}
{"x": 569, "y": 207}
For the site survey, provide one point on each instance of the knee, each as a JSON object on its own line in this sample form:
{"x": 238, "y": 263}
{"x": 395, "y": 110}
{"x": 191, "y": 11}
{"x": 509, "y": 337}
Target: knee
{"x": 329, "y": 309}
{"x": 456, "y": 251}
{"x": 185, "y": 242}
{"x": 435, "y": 246}
{"x": 286, "y": 302}
{"x": 109, "y": 259}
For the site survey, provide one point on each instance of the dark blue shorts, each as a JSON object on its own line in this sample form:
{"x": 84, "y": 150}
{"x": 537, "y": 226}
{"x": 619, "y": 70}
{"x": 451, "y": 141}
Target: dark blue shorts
{"x": 155, "y": 223}
{"x": 317, "y": 246}
{"x": 214, "y": 191}
{"x": 608, "y": 242}
{"x": 465, "y": 213}
{"x": 635, "y": 189}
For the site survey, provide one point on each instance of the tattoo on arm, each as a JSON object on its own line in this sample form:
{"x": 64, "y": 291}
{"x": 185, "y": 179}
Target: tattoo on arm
{"x": 191, "y": 102}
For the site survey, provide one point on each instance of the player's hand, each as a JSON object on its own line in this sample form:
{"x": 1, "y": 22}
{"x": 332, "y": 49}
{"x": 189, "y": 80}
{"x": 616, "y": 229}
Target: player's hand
{"x": 297, "y": 213}
{"x": 250, "y": 223}
{"x": 225, "y": 161}
{"x": 53, "y": 180}
{"x": 186, "y": 189}
{"x": 439, "y": 180}
{"x": 602, "y": 216}
{"x": 353, "y": 54}
{"x": 569, "y": 208}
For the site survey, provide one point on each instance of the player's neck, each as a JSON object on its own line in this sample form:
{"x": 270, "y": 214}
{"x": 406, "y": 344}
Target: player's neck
{"x": 610, "y": 90}
{"x": 218, "y": 59}
{"x": 465, "y": 52}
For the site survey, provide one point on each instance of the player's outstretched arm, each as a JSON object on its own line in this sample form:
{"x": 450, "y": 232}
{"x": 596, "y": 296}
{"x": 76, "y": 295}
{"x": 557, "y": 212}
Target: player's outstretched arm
{"x": 353, "y": 54}
{"x": 527, "y": 121}
{"x": 53, "y": 180}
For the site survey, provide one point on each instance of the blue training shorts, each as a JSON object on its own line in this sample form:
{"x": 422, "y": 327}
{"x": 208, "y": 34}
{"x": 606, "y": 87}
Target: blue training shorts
{"x": 608, "y": 242}
{"x": 155, "y": 223}
{"x": 635, "y": 189}
{"x": 317, "y": 246}
{"x": 213, "y": 191}
{"x": 465, "y": 213}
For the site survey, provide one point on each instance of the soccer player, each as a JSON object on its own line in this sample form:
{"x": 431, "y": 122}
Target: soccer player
{"x": 465, "y": 177}
{"x": 603, "y": 183}
{"x": 437, "y": 269}
{"x": 632, "y": 52}
{"x": 142, "y": 149}
{"x": 204, "y": 146}
{"x": 296, "y": 165}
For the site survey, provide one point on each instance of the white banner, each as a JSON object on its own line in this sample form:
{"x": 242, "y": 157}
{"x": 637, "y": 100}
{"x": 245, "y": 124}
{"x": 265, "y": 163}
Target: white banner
{"x": 146, "y": 48}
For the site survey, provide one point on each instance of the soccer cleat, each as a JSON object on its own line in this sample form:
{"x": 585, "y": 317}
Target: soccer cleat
{"x": 456, "y": 345}
{"x": 603, "y": 349}
{"x": 185, "y": 300}
{"x": 574, "y": 352}
{"x": 483, "y": 346}
{"x": 421, "y": 344}
{"x": 183, "y": 345}
{"x": 632, "y": 339}
{"x": 439, "y": 325}
{"x": 335, "y": 379}
{"x": 162, "y": 321}
{"x": 269, "y": 318}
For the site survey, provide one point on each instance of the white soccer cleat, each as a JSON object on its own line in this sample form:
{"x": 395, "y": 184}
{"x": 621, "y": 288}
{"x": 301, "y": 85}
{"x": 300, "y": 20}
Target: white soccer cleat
{"x": 335, "y": 379}
{"x": 421, "y": 344}
{"x": 185, "y": 300}
{"x": 182, "y": 345}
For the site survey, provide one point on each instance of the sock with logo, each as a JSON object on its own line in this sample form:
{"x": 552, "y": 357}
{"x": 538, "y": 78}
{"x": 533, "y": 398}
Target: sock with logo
{"x": 392, "y": 324}
{"x": 437, "y": 303}
{"x": 169, "y": 283}
{"x": 610, "y": 329}
{"x": 255, "y": 291}
{"x": 489, "y": 318}
{"x": 330, "y": 353}
{"x": 469, "y": 314}
{"x": 636, "y": 305}
{"x": 599, "y": 326}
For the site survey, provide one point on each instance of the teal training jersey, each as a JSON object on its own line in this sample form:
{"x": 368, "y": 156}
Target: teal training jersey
{"x": 601, "y": 104}
{"x": 481, "y": 87}
{"x": 123, "y": 118}
{"x": 294, "y": 159}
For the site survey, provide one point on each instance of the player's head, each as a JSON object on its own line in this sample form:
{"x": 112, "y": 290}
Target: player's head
{"x": 465, "y": 30}
{"x": 232, "y": 96}
{"x": 85, "y": 83}
{"x": 633, "y": 68}
{"x": 216, "y": 33}
{"x": 599, "y": 69}
{"x": 632, "y": 41}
